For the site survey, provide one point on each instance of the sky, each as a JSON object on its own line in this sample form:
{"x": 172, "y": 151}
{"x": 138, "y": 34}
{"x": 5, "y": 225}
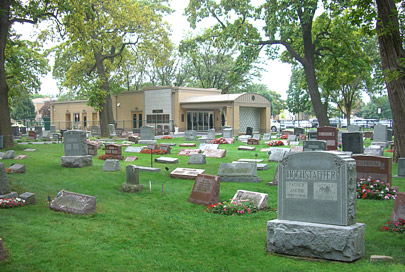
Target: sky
{"x": 276, "y": 75}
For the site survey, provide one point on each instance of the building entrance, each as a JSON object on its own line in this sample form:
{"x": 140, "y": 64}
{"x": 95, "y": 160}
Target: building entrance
{"x": 200, "y": 120}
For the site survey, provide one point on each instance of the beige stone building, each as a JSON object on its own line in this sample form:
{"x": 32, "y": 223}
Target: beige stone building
{"x": 172, "y": 108}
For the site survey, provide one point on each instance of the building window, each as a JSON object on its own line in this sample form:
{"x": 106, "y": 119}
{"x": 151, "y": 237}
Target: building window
{"x": 76, "y": 117}
{"x": 157, "y": 118}
{"x": 182, "y": 118}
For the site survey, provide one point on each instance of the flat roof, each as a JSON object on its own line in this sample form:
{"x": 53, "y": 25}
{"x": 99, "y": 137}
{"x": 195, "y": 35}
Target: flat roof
{"x": 212, "y": 98}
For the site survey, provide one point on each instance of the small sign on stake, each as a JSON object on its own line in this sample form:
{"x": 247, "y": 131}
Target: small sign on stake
{"x": 163, "y": 190}
{"x": 150, "y": 186}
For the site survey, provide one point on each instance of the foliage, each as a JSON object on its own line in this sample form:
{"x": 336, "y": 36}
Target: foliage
{"x": 285, "y": 136}
{"x": 154, "y": 152}
{"x": 219, "y": 141}
{"x": 370, "y": 110}
{"x": 167, "y": 137}
{"x": 277, "y": 103}
{"x": 110, "y": 157}
{"x": 232, "y": 207}
{"x": 297, "y": 94}
{"x": 8, "y": 203}
{"x": 22, "y": 108}
{"x": 395, "y": 226}
{"x": 45, "y": 110}
{"x": 374, "y": 189}
{"x": 275, "y": 143}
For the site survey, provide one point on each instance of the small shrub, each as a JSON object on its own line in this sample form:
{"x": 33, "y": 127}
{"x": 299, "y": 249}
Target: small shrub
{"x": 374, "y": 189}
{"x": 284, "y": 136}
{"x": 11, "y": 203}
{"x": 111, "y": 157}
{"x": 275, "y": 143}
{"x": 232, "y": 207}
{"x": 166, "y": 137}
{"x": 394, "y": 226}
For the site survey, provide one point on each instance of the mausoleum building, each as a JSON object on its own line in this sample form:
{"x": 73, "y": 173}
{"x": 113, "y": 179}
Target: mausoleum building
{"x": 176, "y": 108}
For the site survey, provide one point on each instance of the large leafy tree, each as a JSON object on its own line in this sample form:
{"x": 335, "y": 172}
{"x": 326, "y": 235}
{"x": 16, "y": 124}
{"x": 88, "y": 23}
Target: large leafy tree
{"x": 14, "y": 11}
{"x": 23, "y": 108}
{"x": 100, "y": 35}
{"x": 382, "y": 16}
{"x": 277, "y": 103}
{"x": 297, "y": 94}
{"x": 281, "y": 20}
{"x": 371, "y": 109}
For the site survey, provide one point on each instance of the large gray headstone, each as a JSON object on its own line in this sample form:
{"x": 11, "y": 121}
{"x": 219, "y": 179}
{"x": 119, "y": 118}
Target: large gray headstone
{"x": 353, "y": 141}
{"x": 238, "y": 172}
{"x": 401, "y": 167}
{"x": 111, "y": 165}
{"x": 227, "y": 133}
{"x": 132, "y": 174}
{"x": 73, "y": 203}
{"x": 277, "y": 154}
{"x": 317, "y": 187}
{"x": 147, "y": 133}
{"x": 256, "y": 136}
{"x": 314, "y": 145}
{"x": 95, "y": 131}
{"x": 298, "y": 131}
{"x": 380, "y": 133}
{"x": 15, "y": 131}
{"x": 190, "y": 135}
{"x": 75, "y": 143}
{"x": 211, "y": 134}
{"x": 197, "y": 159}
{"x": 111, "y": 130}
{"x": 38, "y": 130}
{"x": 353, "y": 128}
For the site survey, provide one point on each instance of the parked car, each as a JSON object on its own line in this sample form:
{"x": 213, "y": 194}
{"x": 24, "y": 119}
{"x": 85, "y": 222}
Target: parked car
{"x": 275, "y": 126}
{"x": 314, "y": 122}
{"x": 303, "y": 124}
{"x": 387, "y": 122}
{"x": 287, "y": 124}
{"x": 334, "y": 122}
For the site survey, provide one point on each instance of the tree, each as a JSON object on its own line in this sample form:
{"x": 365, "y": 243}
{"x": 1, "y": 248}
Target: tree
{"x": 23, "y": 108}
{"x": 282, "y": 20}
{"x": 277, "y": 103}
{"x": 370, "y": 110}
{"x": 297, "y": 94}
{"x": 391, "y": 47}
{"x": 100, "y": 34}
{"x": 11, "y": 12}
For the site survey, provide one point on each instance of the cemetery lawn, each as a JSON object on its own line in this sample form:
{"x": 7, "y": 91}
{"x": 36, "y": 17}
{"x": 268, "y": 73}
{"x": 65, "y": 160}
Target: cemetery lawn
{"x": 148, "y": 232}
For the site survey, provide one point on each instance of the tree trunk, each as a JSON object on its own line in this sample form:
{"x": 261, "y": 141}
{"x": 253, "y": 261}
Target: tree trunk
{"x": 310, "y": 76}
{"x": 5, "y": 123}
{"x": 391, "y": 52}
{"x": 106, "y": 114}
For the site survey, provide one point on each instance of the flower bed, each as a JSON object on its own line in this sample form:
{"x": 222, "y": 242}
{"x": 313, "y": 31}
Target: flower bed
{"x": 166, "y": 137}
{"x": 232, "y": 207}
{"x": 275, "y": 143}
{"x": 394, "y": 226}
{"x": 219, "y": 141}
{"x": 11, "y": 203}
{"x": 111, "y": 157}
{"x": 374, "y": 189}
{"x": 285, "y": 136}
{"x": 156, "y": 151}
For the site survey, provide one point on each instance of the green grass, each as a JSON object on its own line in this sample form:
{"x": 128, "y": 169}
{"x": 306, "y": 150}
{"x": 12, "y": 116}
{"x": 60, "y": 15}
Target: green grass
{"x": 148, "y": 232}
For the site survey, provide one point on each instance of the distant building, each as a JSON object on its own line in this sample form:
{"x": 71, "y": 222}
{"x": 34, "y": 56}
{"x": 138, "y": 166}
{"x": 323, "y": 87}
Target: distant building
{"x": 173, "y": 107}
{"x": 38, "y": 103}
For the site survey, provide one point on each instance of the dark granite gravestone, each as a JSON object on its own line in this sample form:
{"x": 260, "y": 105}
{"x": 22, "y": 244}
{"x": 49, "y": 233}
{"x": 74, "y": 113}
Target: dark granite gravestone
{"x": 298, "y": 131}
{"x": 399, "y": 207}
{"x": 317, "y": 208}
{"x": 190, "y": 135}
{"x": 186, "y": 173}
{"x": 131, "y": 184}
{"x": 92, "y": 149}
{"x": 73, "y": 203}
{"x": 258, "y": 199}
{"x": 95, "y": 131}
{"x": 330, "y": 135}
{"x": 401, "y": 167}
{"x": 353, "y": 141}
{"x": 15, "y": 131}
{"x": 4, "y": 185}
{"x": 75, "y": 143}
{"x": 147, "y": 133}
{"x": 314, "y": 145}
{"x": 249, "y": 131}
{"x": 197, "y": 159}
{"x": 113, "y": 149}
{"x": 312, "y": 135}
{"x": 238, "y": 172}
{"x": 375, "y": 167}
{"x": 205, "y": 190}
{"x": 111, "y": 165}
{"x": 253, "y": 141}
{"x": 215, "y": 153}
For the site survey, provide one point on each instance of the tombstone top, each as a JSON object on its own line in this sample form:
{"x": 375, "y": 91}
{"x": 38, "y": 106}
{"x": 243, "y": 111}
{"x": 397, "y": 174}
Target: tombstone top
{"x": 238, "y": 169}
